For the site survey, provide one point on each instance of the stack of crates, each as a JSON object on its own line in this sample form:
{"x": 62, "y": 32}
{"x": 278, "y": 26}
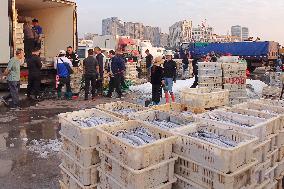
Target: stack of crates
{"x": 131, "y": 72}
{"x": 234, "y": 79}
{"x": 126, "y": 166}
{"x": 202, "y": 164}
{"x": 42, "y": 49}
{"x": 275, "y": 79}
{"x": 76, "y": 79}
{"x": 80, "y": 159}
{"x": 19, "y": 41}
{"x": 210, "y": 75}
{"x": 269, "y": 150}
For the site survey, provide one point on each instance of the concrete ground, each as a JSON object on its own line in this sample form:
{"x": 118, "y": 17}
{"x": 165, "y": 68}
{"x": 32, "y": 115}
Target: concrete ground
{"x": 22, "y": 165}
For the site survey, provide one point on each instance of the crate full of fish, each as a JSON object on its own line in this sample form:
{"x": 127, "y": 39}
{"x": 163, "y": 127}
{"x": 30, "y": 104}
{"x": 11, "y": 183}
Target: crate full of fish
{"x": 151, "y": 177}
{"x": 85, "y": 175}
{"x": 70, "y": 182}
{"x": 121, "y": 109}
{"x": 135, "y": 143}
{"x": 80, "y": 126}
{"x": 215, "y": 146}
{"x": 254, "y": 113}
{"x": 178, "y": 108}
{"x": 259, "y": 127}
{"x": 84, "y": 156}
{"x": 163, "y": 120}
{"x": 108, "y": 182}
{"x": 183, "y": 183}
{"x": 209, "y": 178}
{"x": 205, "y": 97}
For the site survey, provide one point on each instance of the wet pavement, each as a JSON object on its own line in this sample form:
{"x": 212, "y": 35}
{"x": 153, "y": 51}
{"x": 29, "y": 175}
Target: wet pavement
{"x": 30, "y": 140}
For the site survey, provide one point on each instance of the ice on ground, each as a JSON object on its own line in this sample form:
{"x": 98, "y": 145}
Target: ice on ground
{"x": 44, "y": 148}
{"x": 146, "y": 88}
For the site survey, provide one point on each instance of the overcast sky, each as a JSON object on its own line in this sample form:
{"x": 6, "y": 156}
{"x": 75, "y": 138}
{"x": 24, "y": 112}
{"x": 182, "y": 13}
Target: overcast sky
{"x": 265, "y": 18}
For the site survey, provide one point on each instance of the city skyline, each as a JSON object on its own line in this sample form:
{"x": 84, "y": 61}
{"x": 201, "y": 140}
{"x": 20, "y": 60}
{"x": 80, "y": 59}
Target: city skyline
{"x": 221, "y": 15}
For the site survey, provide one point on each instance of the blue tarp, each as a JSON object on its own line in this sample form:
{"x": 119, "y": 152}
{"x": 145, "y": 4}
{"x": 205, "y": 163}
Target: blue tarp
{"x": 244, "y": 49}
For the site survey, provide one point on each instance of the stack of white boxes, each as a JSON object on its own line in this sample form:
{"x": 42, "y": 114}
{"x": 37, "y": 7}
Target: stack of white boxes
{"x": 234, "y": 79}
{"x": 210, "y": 75}
{"x": 80, "y": 159}
{"x": 126, "y": 166}
{"x": 273, "y": 91}
{"x": 19, "y": 41}
{"x": 269, "y": 150}
{"x": 202, "y": 164}
{"x": 76, "y": 79}
{"x": 131, "y": 72}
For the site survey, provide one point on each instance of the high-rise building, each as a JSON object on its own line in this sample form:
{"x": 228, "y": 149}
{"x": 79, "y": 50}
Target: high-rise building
{"x": 202, "y": 34}
{"x": 152, "y": 34}
{"x": 180, "y": 32}
{"x": 89, "y": 36}
{"x": 113, "y": 26}
{"x": 134, "y": 30}
{"x": 164, "y": 40}
{"x": 245, "y": 33}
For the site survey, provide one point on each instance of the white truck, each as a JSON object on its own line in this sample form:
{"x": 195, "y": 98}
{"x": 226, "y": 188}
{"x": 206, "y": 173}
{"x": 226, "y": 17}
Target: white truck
{"x": 58, "y": 18}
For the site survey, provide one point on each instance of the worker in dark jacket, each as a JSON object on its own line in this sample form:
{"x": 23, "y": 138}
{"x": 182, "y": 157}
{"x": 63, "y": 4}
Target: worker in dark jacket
{"x": 100, "y": 59}
{"x": 149, "y": 63}
{"x": 91, "y": 72}
{"x": 157, "y": 75}
{"x": 116, "y": 69}
{"x": 185, "y": 63}
{"x": 73, "y": 57}
{"x": 34, "y": 79}
{"x": 195, "y": 71}
{"x": 170, "y": 73}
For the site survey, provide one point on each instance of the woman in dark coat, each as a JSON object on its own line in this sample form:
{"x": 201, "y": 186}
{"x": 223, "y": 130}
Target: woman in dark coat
{"x": 157, "y": 74}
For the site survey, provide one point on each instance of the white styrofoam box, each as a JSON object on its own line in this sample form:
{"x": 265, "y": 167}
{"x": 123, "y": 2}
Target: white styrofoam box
{"x": 86, "y": 137}
{"x": 238, "y": 94}
{"x": 251, "y": 125}
{"x": 70, "y": 182}
{"x": 84, "y": 156}
{"x": 178, "y": 108}
{"x": 241, "y": 80}
{"x": 234, "y": 87}
{"x": 85, "y": 175}
{"x": 136, "y": 157}
{"x": 115, "y": 107}
{"x": 209, "y": 73}
{"x": 211, "y": 155}
{"x": 150, "y": 177}
{"x": 204, "y": 97}
{"x": 183, "y": 183}
{"x": 280, "y": 169}
{"x": 108, "y": 182}
{"x": 234, "y": 74}
{"x": 209, "y": 65}
{"x": 211, "y": 178}
{"x": 210, "y": 85}
{"x": 233, "y": 67}
{"x": 229, "y": 59}
{"x": 155, "y": 115}
{"x": 209, "y": 80}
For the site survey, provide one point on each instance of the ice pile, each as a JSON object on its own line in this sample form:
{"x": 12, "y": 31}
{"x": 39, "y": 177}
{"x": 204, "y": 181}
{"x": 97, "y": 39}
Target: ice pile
{"x": 223, "y": 119}
{"x": 44, "y": 148}
{"x": 92, "y": 121}
{"x": 137, "y": 137}
{"x": 125, "y": 111}
{"x": 165, "y": 124}
{"x": 213, "y": 138}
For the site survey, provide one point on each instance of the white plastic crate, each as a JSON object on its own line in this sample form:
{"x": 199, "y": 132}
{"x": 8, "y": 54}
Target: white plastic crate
{"x": 205, "y": 97}
{"x": 108, "y": 182}
{"x": 136, "y": 157}
{"x": 279, "y": 169}
{"x": 211, "y": 155}
{"x": 237, "y": 100}
{"x": 85, "y": 175}
{"x": 281, "y": 153}
{"x": 263, "y": 185}
{"x": 210, "y": 65}
{"x": 280, "y": 138}
{"x": 259, "y": 172}
{"x": 239, "y": 73}
{"x": 270, "y": 173}
{"x": 84, "y": 136}
{"x": 272, "y": 184}
{"x": 210, "y": 178}
{"x": 235, "y": 80}
{"x": 233, "y": 67}
{"x": 84, "y": 156}
{"x": 70, "y": 182}
{"x": 209, "y": 72}
{"x": 260, "y": 151}
{"x": 205, "y": 79}
{"x": 179, "y": 108}
{"x": 254, "y": 113}
{"x": 183, "y": 183}
{"x": 150, "y": 177}
{"x": 117, "y": 108}
{"x": 273, "y": 157}
{"x": 155, "y": 115}
{"x": 234, "y": 87}
{"x": 210, "y": 85}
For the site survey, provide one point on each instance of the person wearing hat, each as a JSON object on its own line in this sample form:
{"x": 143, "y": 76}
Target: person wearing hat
{"x": 37, "y": 33}
{"x": 157, "y": 75}
{"x": 64, "y": 68}
{"x": 149, "y": 62}
{"x": 170, "y": 73}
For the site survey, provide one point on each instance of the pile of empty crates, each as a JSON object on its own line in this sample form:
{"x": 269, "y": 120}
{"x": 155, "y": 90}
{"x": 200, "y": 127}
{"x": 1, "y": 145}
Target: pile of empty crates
{"x": 131, "y": 72}
{"x": 76, "y": 79}
{"x": 210, "y": 74}
{"x": 234, "y": 78}
{"x": 273, "y": 91}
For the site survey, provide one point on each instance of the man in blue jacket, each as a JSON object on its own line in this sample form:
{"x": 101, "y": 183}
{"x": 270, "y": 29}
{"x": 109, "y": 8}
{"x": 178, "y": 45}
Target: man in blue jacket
{"x": 116, "y": 69}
